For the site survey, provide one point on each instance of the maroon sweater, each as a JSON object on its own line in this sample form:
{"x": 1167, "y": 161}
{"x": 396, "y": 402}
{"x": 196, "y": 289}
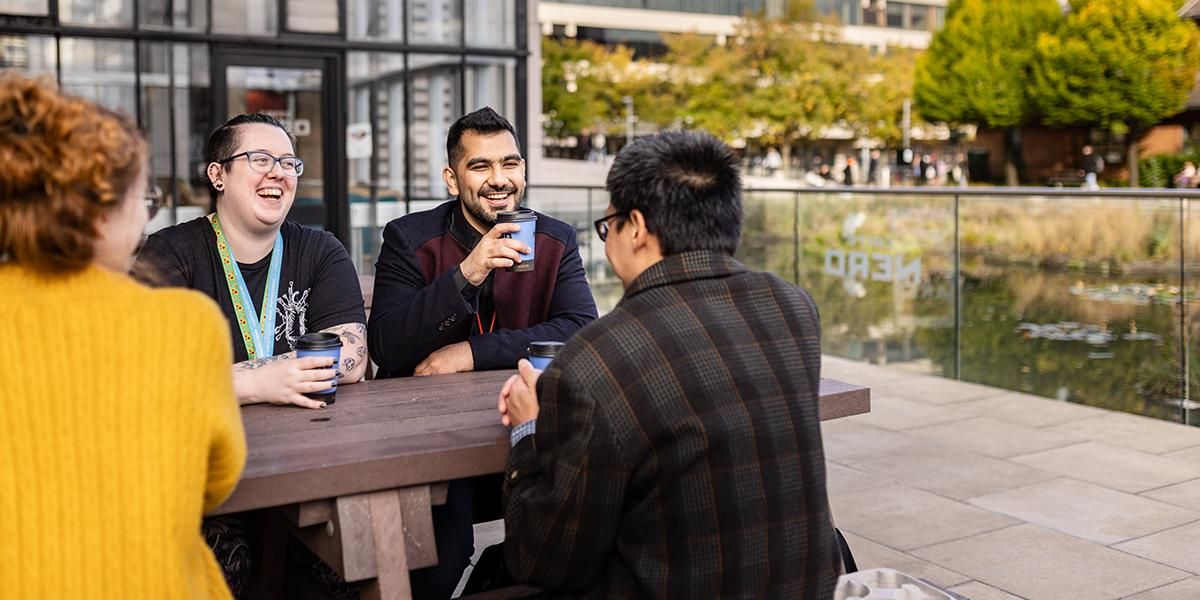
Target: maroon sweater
{"x": 422, "y": 303}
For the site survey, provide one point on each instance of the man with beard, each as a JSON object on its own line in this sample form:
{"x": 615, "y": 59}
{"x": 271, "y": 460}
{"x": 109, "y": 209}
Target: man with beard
{"x": 445, "y": 303}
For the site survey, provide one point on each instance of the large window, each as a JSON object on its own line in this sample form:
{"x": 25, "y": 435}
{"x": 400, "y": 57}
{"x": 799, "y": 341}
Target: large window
{"x": 399, "y": 111}
{"x": 107, "y": 13}
{"x": 245, "y": 16}
{"x": 102, "y": 70}
{"x": 187, "y": 15}
{"x": 37, "y": 8}
{"x": 435, "y": 22}
{"x": 32, "y": 54}
{"x": 402, "y": 72}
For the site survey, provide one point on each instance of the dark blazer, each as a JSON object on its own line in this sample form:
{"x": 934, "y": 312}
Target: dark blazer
{"x": 422, "y": 303}
{"x": 678, "y": 449}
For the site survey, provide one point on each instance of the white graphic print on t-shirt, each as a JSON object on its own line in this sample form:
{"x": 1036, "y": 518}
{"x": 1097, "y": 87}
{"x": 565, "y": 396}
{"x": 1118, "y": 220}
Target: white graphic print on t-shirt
{"x": 292, "y": 307}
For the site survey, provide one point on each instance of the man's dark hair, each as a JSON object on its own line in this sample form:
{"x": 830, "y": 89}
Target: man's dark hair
{"x": 485, "y": 121}
{"x": 224, "y": 140}
{"x": 686, "y": 184}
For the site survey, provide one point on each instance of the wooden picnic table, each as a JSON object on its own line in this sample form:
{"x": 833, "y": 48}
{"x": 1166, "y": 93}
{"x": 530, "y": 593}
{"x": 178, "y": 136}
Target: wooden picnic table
{"x": 356, "y": 482}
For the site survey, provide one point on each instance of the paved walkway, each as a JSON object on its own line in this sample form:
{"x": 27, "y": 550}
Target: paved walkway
{"x": 1001, "y": 495}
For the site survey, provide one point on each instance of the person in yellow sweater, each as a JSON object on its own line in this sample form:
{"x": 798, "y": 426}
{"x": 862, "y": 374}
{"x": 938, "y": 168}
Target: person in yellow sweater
{"x": 120, "y": 427}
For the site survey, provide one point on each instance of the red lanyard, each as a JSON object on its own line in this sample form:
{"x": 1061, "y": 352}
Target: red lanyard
{"x": 480, "y": 322}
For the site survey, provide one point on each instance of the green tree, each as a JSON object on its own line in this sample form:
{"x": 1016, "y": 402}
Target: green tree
{"x": 977, "y": 68}
{"x": 779, "y": 80}
{"x": 584, "y": 83}
{"x": 1123, "y": 65}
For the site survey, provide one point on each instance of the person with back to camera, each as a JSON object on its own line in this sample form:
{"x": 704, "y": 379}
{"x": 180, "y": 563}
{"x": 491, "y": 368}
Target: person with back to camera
{"x": 123, "y": 428}
{"x": 673, "y": 448}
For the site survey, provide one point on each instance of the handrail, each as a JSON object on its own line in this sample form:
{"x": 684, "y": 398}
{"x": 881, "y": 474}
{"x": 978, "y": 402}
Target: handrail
{"x": 1123, "y": 193}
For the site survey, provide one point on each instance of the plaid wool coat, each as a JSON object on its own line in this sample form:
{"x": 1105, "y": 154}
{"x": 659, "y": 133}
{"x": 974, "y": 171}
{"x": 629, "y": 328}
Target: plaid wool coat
{"x": 678, "y": 450}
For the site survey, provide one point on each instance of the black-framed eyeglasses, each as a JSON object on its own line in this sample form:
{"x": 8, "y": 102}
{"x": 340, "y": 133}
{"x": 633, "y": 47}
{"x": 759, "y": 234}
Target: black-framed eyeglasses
{"x": 153, "y": 200}
{"x": 602, "y": 224}
{"x": 263, "y": 162}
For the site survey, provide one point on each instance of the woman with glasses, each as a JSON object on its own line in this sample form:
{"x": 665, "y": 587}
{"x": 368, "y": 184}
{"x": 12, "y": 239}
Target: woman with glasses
{"x": 273, "y": 279}
{"x": 122, "y": 428}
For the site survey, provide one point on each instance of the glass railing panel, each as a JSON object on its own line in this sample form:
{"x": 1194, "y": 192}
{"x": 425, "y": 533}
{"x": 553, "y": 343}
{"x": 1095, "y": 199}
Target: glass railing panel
{"x": 881, "y": 270}
{"x": 1189, "y": 398}
{"x": 1073, "y": 297}
{"x": 769, "y": 233}
{"x": 580, "y": 206}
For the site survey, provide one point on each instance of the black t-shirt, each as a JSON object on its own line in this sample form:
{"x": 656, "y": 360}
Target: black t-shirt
{"x": 318, "y": 287}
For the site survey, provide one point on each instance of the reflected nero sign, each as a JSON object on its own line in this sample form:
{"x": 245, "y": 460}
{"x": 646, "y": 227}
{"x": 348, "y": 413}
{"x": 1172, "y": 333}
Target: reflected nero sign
{"x": 874, "y": 263}
{"x": 876, "y": 266}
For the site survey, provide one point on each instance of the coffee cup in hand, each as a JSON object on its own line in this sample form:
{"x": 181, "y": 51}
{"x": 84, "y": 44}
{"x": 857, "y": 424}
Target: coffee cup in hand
{"x": 321, "y": 344}
{"x": 541, "y": 354}
{"x": 527, "y": 219}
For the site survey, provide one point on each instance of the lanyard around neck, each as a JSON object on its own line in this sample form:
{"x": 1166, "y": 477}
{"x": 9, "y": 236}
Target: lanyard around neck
{"x": 258, "y": 332}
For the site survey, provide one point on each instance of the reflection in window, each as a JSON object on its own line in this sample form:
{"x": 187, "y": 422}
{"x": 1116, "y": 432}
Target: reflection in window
{"x": 245, "y": 16}
{"x": 435, "y": 22}
{"x": 39, "y": 8}
{"x": 174, "y": 101}
{"x": 375, "y": 19}
{"x": 491, "y": 23}
{"x": 312, "y": 16}
{"x": 492, "y": 82}
{"x": 101, "y": 70}
{"x": 118, "y": 13}
{"x": 29, "y": 54}
{"x": 434, "y": 105}
{"x": 173, "y": 14}
{"x": 375, "y": 149}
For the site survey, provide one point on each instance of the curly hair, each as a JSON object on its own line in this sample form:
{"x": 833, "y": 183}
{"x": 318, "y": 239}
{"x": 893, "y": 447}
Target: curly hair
{"x": 64, "y": 162}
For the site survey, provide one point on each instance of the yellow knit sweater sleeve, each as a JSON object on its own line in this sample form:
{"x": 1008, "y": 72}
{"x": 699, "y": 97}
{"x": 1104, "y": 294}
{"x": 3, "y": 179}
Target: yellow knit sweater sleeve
{"x": 227, "y": 447}
{"x": 120, "y": 431}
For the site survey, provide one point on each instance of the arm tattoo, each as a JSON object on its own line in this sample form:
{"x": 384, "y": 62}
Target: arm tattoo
{"x": 351, "y": 333}
{"x": 250, "y": 365}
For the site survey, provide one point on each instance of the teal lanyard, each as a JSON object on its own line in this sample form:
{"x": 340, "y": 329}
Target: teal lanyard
{"x": 258, "y": 332}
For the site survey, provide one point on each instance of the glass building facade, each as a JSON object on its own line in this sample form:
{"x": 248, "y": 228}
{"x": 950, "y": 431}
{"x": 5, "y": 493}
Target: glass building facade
{"x": 369, "y": 88}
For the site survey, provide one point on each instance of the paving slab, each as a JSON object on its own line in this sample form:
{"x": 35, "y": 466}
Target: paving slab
{"x": 1086, "y": 510}
{"x": 904, "y": 518}
{"x": 993, "y": 437}
{"x": 954, "y": 473}
{"x": 981, "y": 591}
{"x": 1191, "y": 455}
{"x": 1186, "y": 494}
{"x": 861, "y": 373}
{"x": 1176, "y": 547}
{"x": 898, "y": 414}
{"x": 938, "y": 391}
{"x": 1118, "y": 468}
{"x": 1154, "y": 436}
{"x": 871, "y": 555}
{"x": 840, "y": 479}
{"x": 853, "y": 443}
{"x": 1039, "y": 564}
{"x": 1187, "y": 589}
{"x": 1030, "y": 411}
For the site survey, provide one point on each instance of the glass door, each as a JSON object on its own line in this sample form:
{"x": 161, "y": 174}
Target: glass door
{"x": 302, "y": 90}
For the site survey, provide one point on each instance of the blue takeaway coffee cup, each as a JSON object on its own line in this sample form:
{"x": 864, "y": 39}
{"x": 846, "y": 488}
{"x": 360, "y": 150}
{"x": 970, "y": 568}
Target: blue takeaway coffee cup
{"x": 542, "y": 353}
{"x": 321, "y": 344}
{"x": 527, "y": 219}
